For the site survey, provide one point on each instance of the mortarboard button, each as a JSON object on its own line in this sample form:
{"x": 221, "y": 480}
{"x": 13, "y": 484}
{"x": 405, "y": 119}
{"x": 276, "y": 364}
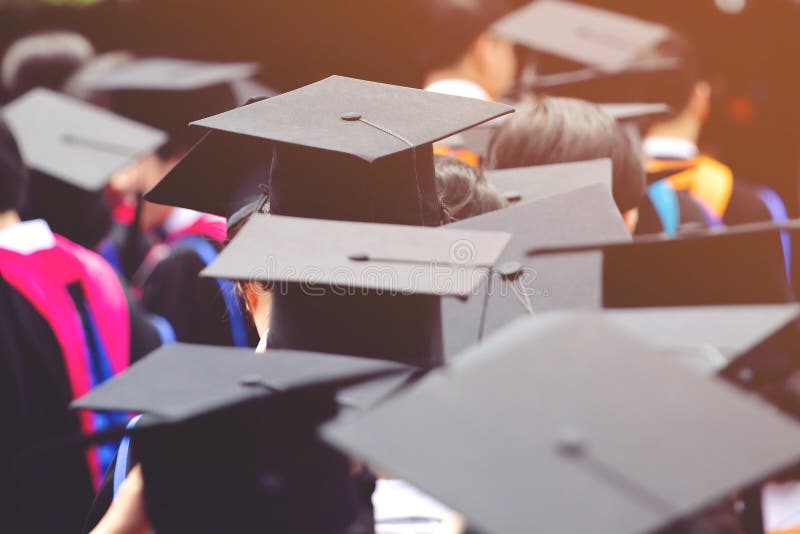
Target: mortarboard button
{"x": 352, "y": 116}
{"x": 745, "y": 375}
{"x": 570, "y": 441}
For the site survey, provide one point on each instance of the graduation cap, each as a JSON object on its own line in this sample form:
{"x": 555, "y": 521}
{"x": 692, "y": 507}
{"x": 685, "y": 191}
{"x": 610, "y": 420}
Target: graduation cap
{"x": 365, "y": 144}
{"x": 738, "y": 265}
{"x": 533, "y": 285}
{"x": 602, "y": 39}
{"x": 223, "y": 175}
{"x": 229, "y": 440}
{"x": 73, "y": 149}
{"x": 634, "y": 111}
{"x": 525, "y": 184}
{"x": 74, "y": 142}
{"x": 169, "y": 93}
{"x": 686, "y": 333}
{"x": 171, "y": 74}
{"x": 354, "y": 284}
{"x": 585, "y": 428}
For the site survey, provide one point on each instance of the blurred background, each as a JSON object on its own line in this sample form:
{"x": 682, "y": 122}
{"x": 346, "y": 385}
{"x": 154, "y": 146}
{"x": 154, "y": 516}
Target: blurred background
{"x": 749, "y": 49}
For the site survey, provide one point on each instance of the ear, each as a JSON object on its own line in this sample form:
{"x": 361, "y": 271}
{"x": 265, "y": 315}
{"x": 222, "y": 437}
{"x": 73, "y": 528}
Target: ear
{"x": 700, "y": 101}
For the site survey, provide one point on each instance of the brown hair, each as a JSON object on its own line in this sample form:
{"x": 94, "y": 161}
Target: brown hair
{"x": 562, "y": 130}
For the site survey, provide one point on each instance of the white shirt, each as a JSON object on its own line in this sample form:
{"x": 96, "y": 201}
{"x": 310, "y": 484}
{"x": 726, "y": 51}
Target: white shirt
{"x": 459, "y": 87}
{"x": 180, "y": 219}
{"x": 669, "y": 148}
{"x": 27, "y": 237}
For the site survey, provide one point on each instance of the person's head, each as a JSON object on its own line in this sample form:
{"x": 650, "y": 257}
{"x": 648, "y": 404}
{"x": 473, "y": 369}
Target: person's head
{"x": 45, "y": 59}
{"x": 13, "y": 173}
{"x": 683, "y": 89}
{"x": 563, "y": 130}
{"x": 171, "y": 108}
{"x": 79, "y": 215}
{"x": 458, "y": 43}
{"x": 140, "y": 177}
{"x": 463, "y": 189}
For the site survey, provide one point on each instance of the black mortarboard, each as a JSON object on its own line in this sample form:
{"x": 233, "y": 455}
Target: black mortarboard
{"x": 370, "y": 277}
{"x": 170, "y": 93}
{"x": 182, "y": 382}
{"x": 230, "y": 442}
{"x": 367, "y": 120}
{"x": 583, "y": 34}
{"x": 733, "y": 331}
{"x": 75, "y": 142}
{"x": 306, "y": 125}
{"x": 73, "y": 149}
{"x": 347, "y": 149}
{"x": 524, "y": 184}
{"x": 632, "y": 111}
{"x": 573, "y": 427}
{"x": 569, "y": 282}
{"x": 223, "y": 174}
{"x": 738, "y": 265}
{"x": 389, "y": 258}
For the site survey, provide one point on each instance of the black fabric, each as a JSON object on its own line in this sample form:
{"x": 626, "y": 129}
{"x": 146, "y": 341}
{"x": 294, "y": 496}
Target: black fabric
{"x": 12, "y": 171}
{"x": 723, "y": 269}
{"x": 52, "y": 492}
{"x": 193, "y": 305}
{"x": 172, "y": 111}
{"x": 693, "y": 217}
{"x": 649, "y": 221}
{"x": 399, "y": 189}
{"x": 745, "y": 206}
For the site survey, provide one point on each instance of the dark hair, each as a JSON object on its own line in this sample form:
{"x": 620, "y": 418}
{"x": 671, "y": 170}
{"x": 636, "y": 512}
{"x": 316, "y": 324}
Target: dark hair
{"x": 561, "y": 130}
{"x": 45, "y": 59}
{"x": 463, "y": 189}
{"x": 79, "y": 215}
{"x": 446, "y": 28}
{"x": 13, "y": 173}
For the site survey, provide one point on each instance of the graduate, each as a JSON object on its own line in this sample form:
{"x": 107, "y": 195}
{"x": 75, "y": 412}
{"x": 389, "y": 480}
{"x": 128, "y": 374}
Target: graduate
{"x": 68, "y": 325}
{"x": 463, "y": 189}
{"x": 562, "y": 130}
{"x": 671, "y": 142}
{"x": 461, "y": 56}
{"x": 169, "y": 94}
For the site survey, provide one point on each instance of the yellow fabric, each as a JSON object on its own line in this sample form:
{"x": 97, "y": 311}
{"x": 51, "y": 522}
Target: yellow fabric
{"x": 707, "y": 179}
{"x": 789, "y": 531}
{"x": 462, "y": 154}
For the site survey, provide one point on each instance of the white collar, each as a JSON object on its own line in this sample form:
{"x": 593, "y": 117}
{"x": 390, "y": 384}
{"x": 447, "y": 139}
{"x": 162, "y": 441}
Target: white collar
{"x": 459, "y": 87}
{"x": 180, "y": 219}
{"x": 27, "y": 237}
{"x": 669, "y": 148}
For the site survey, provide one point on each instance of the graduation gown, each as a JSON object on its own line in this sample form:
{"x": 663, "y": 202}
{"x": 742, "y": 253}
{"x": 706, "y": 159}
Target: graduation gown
{"x": 40, "y": 373}
{"x": 199, "y": 310}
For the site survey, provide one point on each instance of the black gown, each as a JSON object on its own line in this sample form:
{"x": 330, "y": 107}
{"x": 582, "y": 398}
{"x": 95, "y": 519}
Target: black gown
{"x": 194, "y": 306}
{"x": 49, "y": 492}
